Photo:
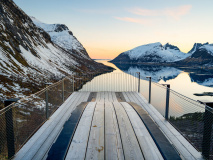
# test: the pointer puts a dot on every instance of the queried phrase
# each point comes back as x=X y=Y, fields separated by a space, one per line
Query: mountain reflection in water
x=156 y=72
x=166 y=73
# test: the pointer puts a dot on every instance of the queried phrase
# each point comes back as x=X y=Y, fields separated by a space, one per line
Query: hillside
x=29 y=55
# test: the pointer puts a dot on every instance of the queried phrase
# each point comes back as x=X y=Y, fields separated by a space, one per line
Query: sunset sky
x=107 y=28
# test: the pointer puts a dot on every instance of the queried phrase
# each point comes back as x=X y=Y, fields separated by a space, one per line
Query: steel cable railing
x=191 y=118
x=21 y=119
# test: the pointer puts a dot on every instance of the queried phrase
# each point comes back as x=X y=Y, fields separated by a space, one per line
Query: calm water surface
x=182 y=80
x=185 y=81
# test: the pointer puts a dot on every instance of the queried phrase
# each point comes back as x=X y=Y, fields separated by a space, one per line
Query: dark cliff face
x=171 y=47
x=195 y=47
x=17 y=28
x=200 y=57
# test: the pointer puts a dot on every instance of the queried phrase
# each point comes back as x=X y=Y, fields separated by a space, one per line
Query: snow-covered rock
x=154 y=52
x=62 y=36
x=195 y=47
x=202 y=54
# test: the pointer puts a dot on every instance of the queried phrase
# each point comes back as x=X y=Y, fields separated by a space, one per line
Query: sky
x=108 y=28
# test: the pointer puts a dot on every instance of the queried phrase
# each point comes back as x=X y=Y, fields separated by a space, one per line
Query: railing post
x=207 y=130
x=73 y=84
x=9 y=128
x=63 y=90
x=139 y=77
x=150 y=82
x=167 y=101
x=46 y=99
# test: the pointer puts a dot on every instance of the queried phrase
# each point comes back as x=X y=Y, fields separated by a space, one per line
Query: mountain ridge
x=169 y=54
x=153 y=52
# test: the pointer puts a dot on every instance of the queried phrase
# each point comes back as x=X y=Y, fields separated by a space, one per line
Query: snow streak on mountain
x=62 y=36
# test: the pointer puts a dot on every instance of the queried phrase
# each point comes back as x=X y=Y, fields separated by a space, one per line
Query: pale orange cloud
x=135 y=20
x=175 y=12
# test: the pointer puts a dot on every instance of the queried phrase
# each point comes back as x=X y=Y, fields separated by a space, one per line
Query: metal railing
x=193 y=119
x=20 y=119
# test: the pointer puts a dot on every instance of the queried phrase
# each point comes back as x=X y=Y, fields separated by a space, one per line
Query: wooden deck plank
x=114 y=97
x=39 y=137
x=43 y=150
x=106 y=96
x=60 y=147
x=98 y=97
x=131 y=147
x=113 y=146
x=126 y=96
x=92 y=97
x=102 y=99
x=120 y=97
x=181 y=144
x=146 y=142
x=77 y=149
x=95 y=149
x=165 y=147
x=110 y=97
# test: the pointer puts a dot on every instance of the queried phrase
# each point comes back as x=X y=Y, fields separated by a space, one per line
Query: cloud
x=175 y=12
x=135 y=20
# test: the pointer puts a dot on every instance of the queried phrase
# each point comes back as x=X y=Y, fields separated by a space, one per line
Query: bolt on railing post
x=167 y=101
x=139 y=77
x=9 y=128
x=207 y=129
x=63 y=90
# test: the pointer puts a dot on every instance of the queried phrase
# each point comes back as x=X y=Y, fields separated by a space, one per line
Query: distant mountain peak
x=196 y=46
x=153 y=52
x=170 y=46
x=63 y=37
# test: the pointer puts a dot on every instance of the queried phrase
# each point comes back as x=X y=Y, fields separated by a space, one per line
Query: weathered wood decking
x=109 y=126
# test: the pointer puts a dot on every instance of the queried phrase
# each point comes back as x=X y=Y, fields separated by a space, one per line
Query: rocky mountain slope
x=29 y=55
x=154 y=52
x=202 y=54
x=63 y=37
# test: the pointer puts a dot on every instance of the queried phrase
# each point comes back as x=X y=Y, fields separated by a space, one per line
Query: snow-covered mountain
x=29 y=55
x=195 y=47
x=202 y=54
x=62 y=36
x=154 y=52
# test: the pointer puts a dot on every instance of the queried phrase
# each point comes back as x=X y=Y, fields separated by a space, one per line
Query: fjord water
x=185 y=81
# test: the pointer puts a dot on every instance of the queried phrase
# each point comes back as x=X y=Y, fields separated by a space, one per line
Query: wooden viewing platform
x=107 y=125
